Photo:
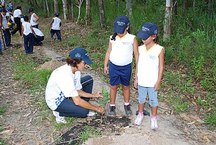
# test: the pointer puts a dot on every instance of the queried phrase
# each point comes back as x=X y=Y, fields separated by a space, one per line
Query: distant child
x=28 y=34
x=118 y=62
x=149 y=71
x=39 y=36
x=5 y=28
x=17 y=16
x=34 y=18
x=56 y=27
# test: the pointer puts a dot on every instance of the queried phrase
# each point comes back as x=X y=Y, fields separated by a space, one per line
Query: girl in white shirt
x=149 y=71
x=34 y=18
x=56 y=27
x=118 y=62
x=28 y=35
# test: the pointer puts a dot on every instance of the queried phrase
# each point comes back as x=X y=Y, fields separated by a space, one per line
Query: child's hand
x=135 y=83
x=106 y=70
x=157 y=86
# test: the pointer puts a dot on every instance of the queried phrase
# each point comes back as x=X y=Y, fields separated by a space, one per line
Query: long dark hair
x=115 y=34
x=73 y=62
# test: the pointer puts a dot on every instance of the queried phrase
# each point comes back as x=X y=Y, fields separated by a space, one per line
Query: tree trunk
x=101 y=13
x=129 y=8
x=65 y=11
x=185 y=6
x=47 y=8
x=79 y=7
x=72 y=10
x=88 y=12
x=56 y=8
x=167 y=20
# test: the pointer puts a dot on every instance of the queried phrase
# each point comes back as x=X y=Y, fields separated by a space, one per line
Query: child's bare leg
x=141 y=108
x=154 y=111
x=113 y=92
x=126 y=93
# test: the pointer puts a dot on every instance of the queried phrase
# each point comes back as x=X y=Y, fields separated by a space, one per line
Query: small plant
x=2 y=110
x=105 y=99
x=179 y=104
x=88 y=132
x=211 y=118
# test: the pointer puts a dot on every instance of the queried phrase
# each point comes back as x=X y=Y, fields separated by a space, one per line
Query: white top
x=62 y=84
x=4 y=22
x=33 y=20
x=122 y=50
x=38 y=32
x=148 y=65
x=17 y=13
x=27 y=28
x=56 y=23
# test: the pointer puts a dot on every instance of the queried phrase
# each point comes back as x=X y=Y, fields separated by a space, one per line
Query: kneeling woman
x=67 y=94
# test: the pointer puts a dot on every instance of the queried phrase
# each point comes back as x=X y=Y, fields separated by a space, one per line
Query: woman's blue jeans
x=69 y=109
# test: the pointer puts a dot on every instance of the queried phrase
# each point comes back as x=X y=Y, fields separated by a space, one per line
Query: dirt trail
x=24 y=125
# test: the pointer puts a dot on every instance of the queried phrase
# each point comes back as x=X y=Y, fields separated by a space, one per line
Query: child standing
x=55 y=27
x=34 y=18
x=149 y=71
x=28 y=34
x=118 y=62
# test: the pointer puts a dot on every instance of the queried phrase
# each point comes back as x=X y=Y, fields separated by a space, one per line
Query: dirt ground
x=23 y=124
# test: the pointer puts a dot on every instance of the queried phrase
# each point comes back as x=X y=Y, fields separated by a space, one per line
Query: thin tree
x=72 y=10
x=167 y=20
x=129 y=8
x=56 y=8
x=47 y=8
x=101 y=13
x=79 y=5
x=65 y=10
x=88 y=12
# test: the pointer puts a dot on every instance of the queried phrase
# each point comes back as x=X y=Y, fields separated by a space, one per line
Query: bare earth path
x=23 y=124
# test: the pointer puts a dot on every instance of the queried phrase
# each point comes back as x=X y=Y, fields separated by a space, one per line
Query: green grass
x=88 y=132
x=2 y=110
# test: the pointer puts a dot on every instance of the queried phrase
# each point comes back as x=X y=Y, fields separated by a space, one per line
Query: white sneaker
x=139 y=119
x=91 y=113
x=154 y=125
x=59 y=119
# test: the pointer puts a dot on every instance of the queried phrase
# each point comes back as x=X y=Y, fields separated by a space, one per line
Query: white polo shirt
x=17 y=13
x=27 y=28
x=122 y=50
x=38 y=32
x=148 y=65
x=33 y=20
x=56 y=23
x=62 y=84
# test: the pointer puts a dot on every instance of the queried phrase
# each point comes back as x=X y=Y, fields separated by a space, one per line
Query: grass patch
x=88 y=132
x=2 y=110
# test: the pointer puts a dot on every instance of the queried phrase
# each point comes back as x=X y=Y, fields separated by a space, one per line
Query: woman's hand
x=98 y=95
x=100 y=109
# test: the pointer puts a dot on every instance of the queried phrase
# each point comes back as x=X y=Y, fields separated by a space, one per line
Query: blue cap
x=148 y=29
x=80 y=53
x=120 y=24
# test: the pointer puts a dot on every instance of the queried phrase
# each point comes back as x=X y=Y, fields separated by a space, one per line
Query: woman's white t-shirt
x=148 y=65
x=62 y=84
x=122 y=50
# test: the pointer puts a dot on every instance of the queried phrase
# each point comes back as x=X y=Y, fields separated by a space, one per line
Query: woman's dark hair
x=30 y=10
x=156 y=40
x=73 y=62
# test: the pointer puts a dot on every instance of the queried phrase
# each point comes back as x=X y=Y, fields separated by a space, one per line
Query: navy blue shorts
x=120 y=74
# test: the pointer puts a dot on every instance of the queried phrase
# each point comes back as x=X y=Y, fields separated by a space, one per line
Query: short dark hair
x=73 y=62
x=25 y=18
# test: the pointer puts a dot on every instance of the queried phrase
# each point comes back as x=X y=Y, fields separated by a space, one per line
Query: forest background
x=186 y=30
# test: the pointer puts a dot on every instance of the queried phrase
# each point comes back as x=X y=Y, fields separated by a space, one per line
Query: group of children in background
x=149 y=59
x=28 y=28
